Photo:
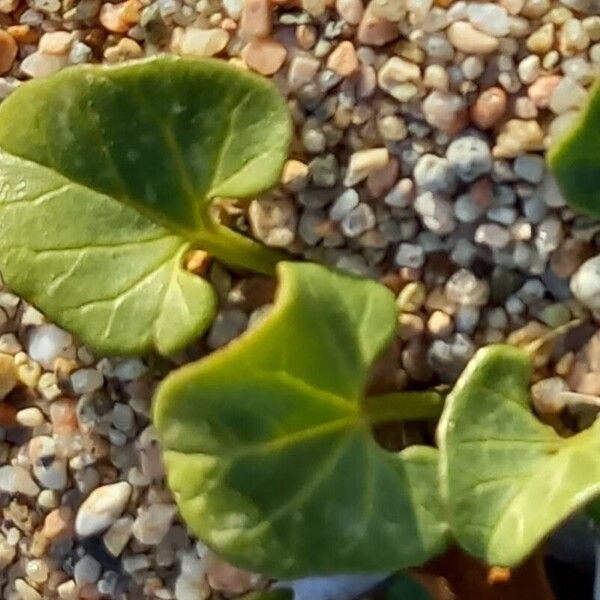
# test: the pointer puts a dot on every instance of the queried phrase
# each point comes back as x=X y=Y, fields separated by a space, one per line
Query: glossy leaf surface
x=106 y=179
x=575 y=158
x=507 y=478
x=270 y=453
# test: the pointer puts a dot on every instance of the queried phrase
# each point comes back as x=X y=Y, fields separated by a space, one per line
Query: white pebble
x=363 y=163
x=46 y=343
x=410 y=255
x=435 y=211
x=102 y=508
x=489 y=18
x=85 y=381
x=470 y=156
x=30 y=417
x=17 y=480
x=492 y=235
x=153 y=522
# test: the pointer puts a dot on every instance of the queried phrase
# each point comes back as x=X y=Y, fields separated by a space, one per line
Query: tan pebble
x=569 y=256
x=228 y=24
x=573 y=38
x=23 y=34
x=350 y=10
x=228 y=579
x=589 y=384
x=592 y=27
x=63 y=416
x=198 y=262
x=381 y=180
x=364 y=162
x=7 y=6
x=390 y=10
x=119 y=18
x=57 y=43
x=398 y=77
x=295 y=175
x=541 y=90
x=489 y=107
x=513 y=7
x=125 y=49
x=8 y=375
x=367 y=81
x=518 y=136
x=8 y=51
x=446 y=111
x=302 y=70
x=265 y=56
x=203 y=42
x=315 y=8
x=58 y=523
x=306 y=36
x=541 y=40
x=439 y=324
x=375 y=31
x=410 y=326
x=343 y=59
x=464 y=37
x=256 y=19
x=30 y=417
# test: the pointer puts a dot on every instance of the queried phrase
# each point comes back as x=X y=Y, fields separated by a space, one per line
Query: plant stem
x=237 y=250
x=403 y=406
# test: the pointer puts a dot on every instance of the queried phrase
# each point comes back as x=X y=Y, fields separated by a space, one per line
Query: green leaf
x=405 y=587
x=270 y=453
x=107 y=175
x=575 y=158
x=509 y=480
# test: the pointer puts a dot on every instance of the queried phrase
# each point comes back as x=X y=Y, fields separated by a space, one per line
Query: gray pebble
x=470 y=156
x=434 y=174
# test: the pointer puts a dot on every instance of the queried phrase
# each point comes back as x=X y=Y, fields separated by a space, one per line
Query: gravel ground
x=418 y=160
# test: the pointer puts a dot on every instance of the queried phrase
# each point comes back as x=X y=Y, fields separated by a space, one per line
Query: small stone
x=585 y=283
x=567 y=95
x=398 y=78
x=350 y=10
x=364 y=162
x=381 y=180
x=8 y=6
x=58 y=523
x=445 y=111
x=227 y=579
x=125 y=49
x=48 y=342
x=541 y=90
x=118 y=535
x=302 y=70
x=63 y=416
x=8 y=375
x=466 y=289
x=228 y=325
x=401 y=195
x=203 y=42
x=295 y=175
x=343 y=60
x=48 y=469
x=573 y=38
x=68 y=590
x=265 y=56
x=17 y=480
x=25 y=591
x=39 y=64
x=436 y=212
x=273 y=221
x=87 y=570
x=8 y=51
x=85 y=381
x=344 y=203
x=518 y=136
x=470 y=157
x=358 y=220
x=489 y=18
x=256 y=19
x=434 y=174
x=123 y=417
x=375 y=31
x=529 y=167
x=541 y=40
x=120 y=17
x=546 y=395
x=102 y=508
x=569 y=256
x=153 y=522
x=30 y=417
x=466 y=38
x=57 y=43
x=410 y=255
x=492 y=235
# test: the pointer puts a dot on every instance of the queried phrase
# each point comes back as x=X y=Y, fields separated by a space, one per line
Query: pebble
x=434 y=174
x=567 y=95
x=119 y=17
x=8 y=375
x=529 y=167
x=398 y=78
x=541 y=90
x=58 y=523
x=8 y=51
x=344 y=204
x=256 y=19
x=343 y=60
x=118 y=535
x=302 y=70
x=364 y=162
x=401 y=195
x=350 y=10
x=49 y=470
x=436 y=212
x=25 y=591
x=470 y=157
x=541 y=40
x=410 y=255
x=585 y=283
x=30 y=417
x=464 y=288
x=227 y=326
x=85 y=381
x=48 y=342
x=446 y=111
x=87 y=570
x=295 y=175
x=265 y=56
x=466 y=38
x=360 y=219
x=57 y=42
x=492 y=235
x=102 y=508
x=153 y=522
x=15 y=479
x=546 y=395
x=489 y=18
x=518 y=136
x=375 y=31
x=203 y=42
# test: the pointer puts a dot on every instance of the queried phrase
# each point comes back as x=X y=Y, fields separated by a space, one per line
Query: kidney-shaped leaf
x=575 y=158
x=106 y=179
x=508 y=479
x=270 y=456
